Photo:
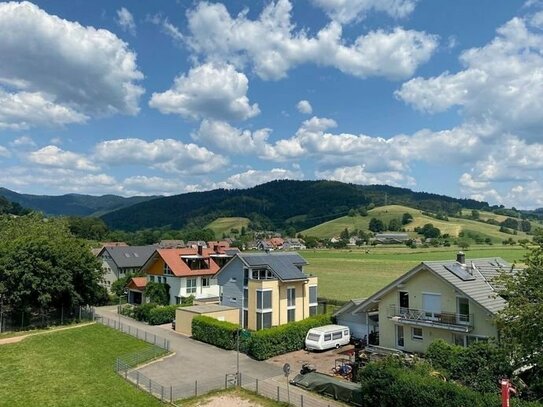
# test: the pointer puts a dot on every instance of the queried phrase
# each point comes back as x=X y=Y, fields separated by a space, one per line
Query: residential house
x=391 y=238
x=335 y=239
x=293 y=244
x=136 y=290
x=276 y=243
x=353 y=241
x=197 y=243
x=187 y=271
x=451 y=300
x=118 y=261
x=218 y=245
x=97 y=251
x=171 y=244
x=271 y=288
x=263 y=245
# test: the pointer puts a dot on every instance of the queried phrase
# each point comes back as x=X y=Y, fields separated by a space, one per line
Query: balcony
x=442 y=320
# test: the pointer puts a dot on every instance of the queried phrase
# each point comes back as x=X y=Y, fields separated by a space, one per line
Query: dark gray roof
x=130 y=256
x=282 y=264
x=478 y=283
x=392 y=236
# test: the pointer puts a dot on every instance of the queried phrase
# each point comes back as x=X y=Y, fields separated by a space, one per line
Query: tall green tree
x=521 y=321
x=42 y=265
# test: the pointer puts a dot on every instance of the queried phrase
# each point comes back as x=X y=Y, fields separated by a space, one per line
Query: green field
x=69 y=368
x=347 y=274
x=385 y=213
x=223 y=225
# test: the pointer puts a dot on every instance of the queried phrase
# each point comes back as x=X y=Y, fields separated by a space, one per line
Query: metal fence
x=134 y=331
x=41 y=318
x=265 y=387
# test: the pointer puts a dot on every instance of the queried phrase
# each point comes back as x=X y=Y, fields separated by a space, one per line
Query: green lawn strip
x=235 y=392
x=358 y=273
x=69 y=368
x=13 y=334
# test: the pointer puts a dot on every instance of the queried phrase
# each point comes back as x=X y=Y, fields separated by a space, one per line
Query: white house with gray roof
x=271 y=288
x=119 y=261
x=451 y=300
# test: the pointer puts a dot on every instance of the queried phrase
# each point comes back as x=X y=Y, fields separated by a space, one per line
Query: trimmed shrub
x=284 y=338
x=219 y=333
x=142 y=312
x=162 y=314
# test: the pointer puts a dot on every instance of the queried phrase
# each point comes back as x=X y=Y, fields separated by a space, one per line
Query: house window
x=245 y=319
x=470 y=339
x=431 y=304
x=233 y=299
x=167 y=270
x=313 y=300
x=245 y=277
x=291 y=297
x=205 y=281
x=264 y=309
x=177 y=300
x=191 y=285
x=245 y=298
x=462 y=307
x=459 y=340
x=399 y=336
x=417 y=333
x=291 y=315
x=152 y=278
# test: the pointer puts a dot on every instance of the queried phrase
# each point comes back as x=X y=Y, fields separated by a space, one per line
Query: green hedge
x=267 y=343
x=260 y=345
x=162 y=314
x=219 y=333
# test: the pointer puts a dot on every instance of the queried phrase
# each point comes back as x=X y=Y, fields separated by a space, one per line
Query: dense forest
x=277 y=205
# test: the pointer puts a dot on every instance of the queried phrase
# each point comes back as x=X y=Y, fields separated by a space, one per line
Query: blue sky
x=166 y=97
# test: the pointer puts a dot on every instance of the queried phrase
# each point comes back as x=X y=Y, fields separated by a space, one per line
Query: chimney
x=200 y=250
x=216 y=248
x=461 y=258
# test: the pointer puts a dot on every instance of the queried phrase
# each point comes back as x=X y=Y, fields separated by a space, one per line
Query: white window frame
x=459 y=320
x=206 y=282
x=192 y=288
x=416 y=337
x=263 y=311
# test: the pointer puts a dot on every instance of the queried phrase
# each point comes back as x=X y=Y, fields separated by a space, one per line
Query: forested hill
x=12 y=208
x=276 y=205
x=72 y=204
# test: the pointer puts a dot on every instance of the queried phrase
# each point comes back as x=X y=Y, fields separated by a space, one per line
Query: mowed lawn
x=69 y=368
x=358 y=273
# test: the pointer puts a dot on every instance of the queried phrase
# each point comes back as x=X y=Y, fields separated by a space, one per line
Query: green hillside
x=385 y=213
x=224 y=225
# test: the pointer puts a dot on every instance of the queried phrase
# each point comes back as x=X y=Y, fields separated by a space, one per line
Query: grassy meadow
x=73 y=367
x=224 y=225
x=358 y=273
x=386 y=213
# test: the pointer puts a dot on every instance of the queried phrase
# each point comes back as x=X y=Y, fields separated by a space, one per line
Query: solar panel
x=460 y=272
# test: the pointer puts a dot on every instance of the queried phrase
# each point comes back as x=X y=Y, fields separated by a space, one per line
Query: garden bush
x=162 y=314
x=218 y=333
x=274 y=341
x=142 y=312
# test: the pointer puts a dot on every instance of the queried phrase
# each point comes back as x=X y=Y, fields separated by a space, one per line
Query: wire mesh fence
x=28 y=319
x=134 y=331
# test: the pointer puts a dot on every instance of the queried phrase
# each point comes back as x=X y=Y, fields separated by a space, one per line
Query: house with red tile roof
x=187 y=272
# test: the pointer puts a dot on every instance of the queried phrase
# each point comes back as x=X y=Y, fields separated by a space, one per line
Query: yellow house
x=451 y=300
x=270 y=288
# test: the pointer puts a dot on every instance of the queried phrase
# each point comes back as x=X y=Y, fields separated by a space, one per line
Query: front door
x=399 y=336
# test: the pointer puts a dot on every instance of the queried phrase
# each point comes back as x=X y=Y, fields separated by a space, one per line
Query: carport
x=184 y=315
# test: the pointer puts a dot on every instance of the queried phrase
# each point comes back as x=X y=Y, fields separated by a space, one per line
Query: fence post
x=277 y=393
x=225 y=381
x=137 y=378
x=239 y=384
x=150 y=391
x=145 y=336
x=171 y=394
x=137 y=333
x=154 y=341
x=256 y=386
x=162 y=393
x=301 y=400
x=195 y=388
x=128 y=329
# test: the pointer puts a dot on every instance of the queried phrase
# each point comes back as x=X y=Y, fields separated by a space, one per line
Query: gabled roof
x=179 y=268
x=283 y=265
x=477 y=282
x=348 y=306
x=137 y=283
x=129 y=256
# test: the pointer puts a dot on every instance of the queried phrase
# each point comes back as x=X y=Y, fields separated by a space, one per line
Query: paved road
x=193 y=360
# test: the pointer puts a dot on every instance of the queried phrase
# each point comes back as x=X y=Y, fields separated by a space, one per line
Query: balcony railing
x=443 y=319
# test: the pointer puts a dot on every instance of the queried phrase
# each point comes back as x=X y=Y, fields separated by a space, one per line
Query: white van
x=327 y=337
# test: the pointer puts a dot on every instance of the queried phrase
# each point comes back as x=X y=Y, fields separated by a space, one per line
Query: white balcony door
x=431 y=304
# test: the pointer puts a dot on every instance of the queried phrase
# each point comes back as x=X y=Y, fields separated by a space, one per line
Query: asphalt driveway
x=193 y=360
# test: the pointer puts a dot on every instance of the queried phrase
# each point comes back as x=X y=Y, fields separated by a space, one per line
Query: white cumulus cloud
x=272 y=46
x=304 y=107
x=208 y=91
x=345 y=11
x=53 y=156
x=57 y=71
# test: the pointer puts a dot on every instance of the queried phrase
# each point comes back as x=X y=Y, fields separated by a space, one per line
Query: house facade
x=455 y=301
x=270 y=288
x=118 y=261
x=187 y=271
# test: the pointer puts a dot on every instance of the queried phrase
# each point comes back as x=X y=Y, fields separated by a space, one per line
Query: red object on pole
x=507 y=389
